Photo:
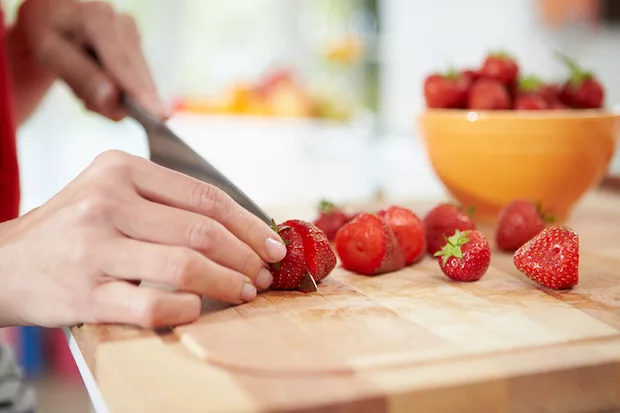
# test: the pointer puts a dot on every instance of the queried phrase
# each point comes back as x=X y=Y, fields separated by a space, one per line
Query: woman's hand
x=57 y=33
x=79 y=257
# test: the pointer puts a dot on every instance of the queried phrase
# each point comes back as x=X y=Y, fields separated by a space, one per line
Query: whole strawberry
x=409 y=232
x=366 y=245
x=330 y=219
x=518 y=222
x=501 y=66
x=488 y=94
x=471 y=75
x=530 y=94
x=465 y=256
x=551 y=258
x=583 y=90
x=446 y=91
x=318 y=253
x=442 y=221
x=288 y=273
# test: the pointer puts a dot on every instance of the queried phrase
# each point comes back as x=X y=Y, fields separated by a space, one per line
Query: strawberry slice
x=409 y=232
x=366 y=245
x=551 y=258
x=320 y=258
x=288 y=273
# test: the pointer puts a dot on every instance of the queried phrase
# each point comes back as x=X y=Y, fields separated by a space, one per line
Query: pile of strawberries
x=395 y=237
x=499 y=85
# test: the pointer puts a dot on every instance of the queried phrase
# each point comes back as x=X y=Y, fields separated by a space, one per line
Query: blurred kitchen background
x=296 y=100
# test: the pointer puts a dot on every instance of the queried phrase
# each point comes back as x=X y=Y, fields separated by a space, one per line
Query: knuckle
x=129 y=24
x=203 y=236
x=100 y=10
x=93 y=206
x=180 y=267
x=209 y=200
x=113 y=161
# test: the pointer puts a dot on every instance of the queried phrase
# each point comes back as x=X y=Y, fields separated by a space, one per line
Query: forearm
x=30 y=81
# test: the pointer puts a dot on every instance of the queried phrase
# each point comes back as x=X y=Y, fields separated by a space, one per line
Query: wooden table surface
x=406 y=341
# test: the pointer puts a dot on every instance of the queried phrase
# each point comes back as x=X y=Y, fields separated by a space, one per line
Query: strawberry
x=465 y=256
x=583 y=90
x=529 y=94
x=442 y=221
x=320 y=258
x=366 y=245
x=330 y=219
x=550 y=92
x=471 y=75
x=488 y=94
x=551 y=258
x=447 y=91
x=502 y=67
x=288 y=273
x=409 y=232
x=518 y=222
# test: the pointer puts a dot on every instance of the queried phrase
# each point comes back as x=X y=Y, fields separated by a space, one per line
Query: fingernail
x=275 y=249
x=248 y=292
x=264 y=279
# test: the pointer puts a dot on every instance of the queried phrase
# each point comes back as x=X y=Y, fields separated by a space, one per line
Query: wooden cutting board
x=400 y=342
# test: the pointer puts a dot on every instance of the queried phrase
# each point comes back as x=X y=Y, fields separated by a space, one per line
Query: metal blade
x=169 y=151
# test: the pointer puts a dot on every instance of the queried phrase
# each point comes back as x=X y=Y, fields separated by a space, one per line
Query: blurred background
x=296 y=100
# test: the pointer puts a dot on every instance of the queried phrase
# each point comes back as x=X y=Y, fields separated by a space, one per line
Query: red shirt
x=9 y=171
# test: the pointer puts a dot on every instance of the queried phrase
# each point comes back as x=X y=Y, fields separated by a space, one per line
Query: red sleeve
x=9 y=171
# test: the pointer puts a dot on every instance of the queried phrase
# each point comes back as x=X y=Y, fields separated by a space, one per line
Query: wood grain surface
x=407 y=341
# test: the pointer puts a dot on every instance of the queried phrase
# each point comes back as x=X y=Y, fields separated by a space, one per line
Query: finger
x=82 y=75
x=148 y=221
x=176 y=267
x=171 y=188
x=120 y=302
x=116 y=39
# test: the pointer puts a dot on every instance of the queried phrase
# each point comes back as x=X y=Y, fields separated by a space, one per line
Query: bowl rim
x=473 y=115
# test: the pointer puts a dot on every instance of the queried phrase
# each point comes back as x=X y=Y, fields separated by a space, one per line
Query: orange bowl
x=486 y=159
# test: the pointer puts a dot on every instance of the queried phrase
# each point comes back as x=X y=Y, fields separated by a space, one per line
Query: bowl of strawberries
x=494 y=135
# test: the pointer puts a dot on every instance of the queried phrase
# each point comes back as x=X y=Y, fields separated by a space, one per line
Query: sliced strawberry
x=288 y=273
x=551 y=258
x=409 y=232
x=366 y=245
x=320 y=258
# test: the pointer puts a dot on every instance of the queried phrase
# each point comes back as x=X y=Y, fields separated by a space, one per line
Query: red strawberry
x=501 y=66
x=320 y=258
x=551 y=258
x=366 y=245
x=465 y=256
x=409 y=232
x=288 y=273
x=447 y=91
x=550 y=92
x=442 y=221
x=471 y=75
x=582 y=90
x=488 y=94
x=330 y=219
x=518 y=222
x=529 y=94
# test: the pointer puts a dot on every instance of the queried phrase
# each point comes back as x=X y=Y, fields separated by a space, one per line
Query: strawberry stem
x=326 y=206
x=577 y=74
x=529 y=83
x=453 y=245
x=543 y=215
